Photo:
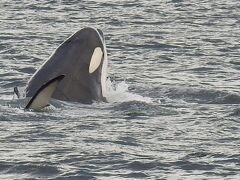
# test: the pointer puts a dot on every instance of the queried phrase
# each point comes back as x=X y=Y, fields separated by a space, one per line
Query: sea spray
x=118 y=92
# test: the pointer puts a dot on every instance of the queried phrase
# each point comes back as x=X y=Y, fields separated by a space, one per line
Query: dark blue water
x=173 y=92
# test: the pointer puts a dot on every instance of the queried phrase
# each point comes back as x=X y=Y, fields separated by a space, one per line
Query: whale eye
x=95 y=59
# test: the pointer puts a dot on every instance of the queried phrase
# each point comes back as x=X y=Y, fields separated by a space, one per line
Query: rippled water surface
x=173 y=91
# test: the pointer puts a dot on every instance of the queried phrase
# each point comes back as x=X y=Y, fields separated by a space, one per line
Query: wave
x=202 y=95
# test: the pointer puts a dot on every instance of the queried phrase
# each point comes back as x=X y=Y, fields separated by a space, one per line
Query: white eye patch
x=95 y=59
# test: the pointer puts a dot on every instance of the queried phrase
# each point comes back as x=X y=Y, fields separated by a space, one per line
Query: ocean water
x=173 y=91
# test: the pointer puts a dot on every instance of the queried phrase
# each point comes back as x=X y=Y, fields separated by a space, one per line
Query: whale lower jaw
x=42 y=97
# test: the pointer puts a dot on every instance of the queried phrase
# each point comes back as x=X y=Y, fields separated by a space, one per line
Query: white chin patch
x=95 y=60
x=104 y=72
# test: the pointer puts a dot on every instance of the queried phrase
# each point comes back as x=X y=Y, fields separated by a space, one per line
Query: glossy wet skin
x=72 y=58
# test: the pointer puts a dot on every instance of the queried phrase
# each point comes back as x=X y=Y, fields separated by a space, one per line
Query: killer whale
x=82 y=59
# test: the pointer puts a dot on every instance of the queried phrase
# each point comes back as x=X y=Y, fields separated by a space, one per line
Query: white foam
x=118 y=92
x=6 y=97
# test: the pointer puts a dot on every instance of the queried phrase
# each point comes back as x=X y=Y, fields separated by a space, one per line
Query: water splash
x=118 y=92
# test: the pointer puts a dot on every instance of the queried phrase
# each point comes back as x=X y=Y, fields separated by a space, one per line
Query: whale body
x=81 y=62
